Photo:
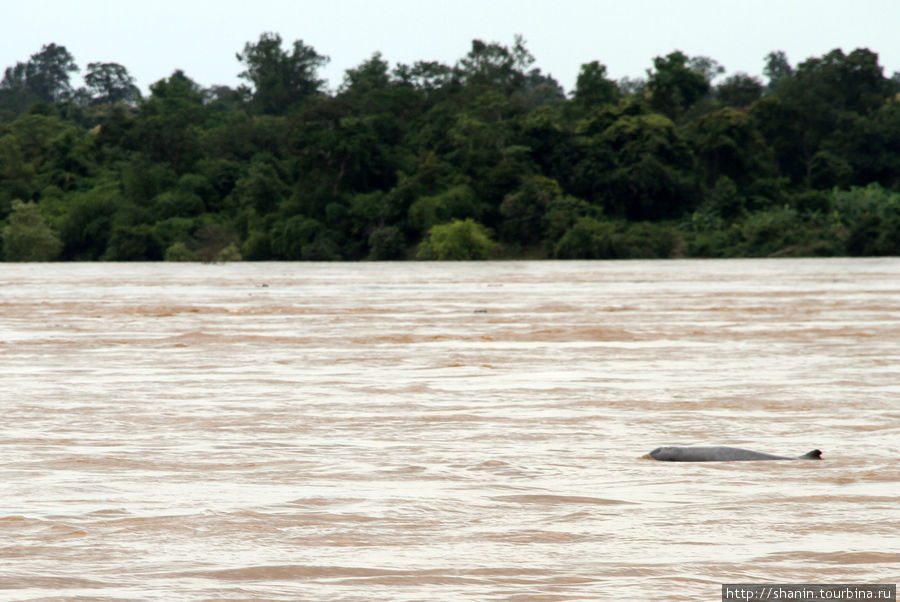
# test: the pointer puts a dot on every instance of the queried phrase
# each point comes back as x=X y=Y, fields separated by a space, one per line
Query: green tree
x=456 y=202
x=426 y=76
x=523 y=210
x=215 y=242
x=280 y=79
x=590 y=238
x=777 y=67
x=549 y=135
x=541 y=90
x=495 y=66
x=304 y=239
x=387 y=243
x=676 y=84
x=133 y=243
x=176 y=203
x=870 y=146
x=488 y=146
x=561 y=214
x=459 y=240
x=727 y=142
x=817 y=102
x=48 y=73
x=724 y=200
x=869 y=217
x=27 y=237
x=261 y=188
x=88 y=223
x=652 y=176
x=371 y=75
x=109 y=83
x=168 y=124
x=17 y=173
x=593 y=88
x=179 y=251
x=708 y=67
x=739 y=90
x=45 y=75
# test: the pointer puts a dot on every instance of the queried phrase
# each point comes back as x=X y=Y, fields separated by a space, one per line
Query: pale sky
x=201 y=37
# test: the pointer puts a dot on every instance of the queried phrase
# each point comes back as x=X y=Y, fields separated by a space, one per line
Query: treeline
x=486 y=158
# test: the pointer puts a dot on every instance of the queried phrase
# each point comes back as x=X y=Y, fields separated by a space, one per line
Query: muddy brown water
x=452 y=431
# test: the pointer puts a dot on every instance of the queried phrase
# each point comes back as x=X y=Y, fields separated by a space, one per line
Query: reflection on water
x=445 y=431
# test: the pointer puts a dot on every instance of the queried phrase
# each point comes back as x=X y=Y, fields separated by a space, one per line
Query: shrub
x=133 y=243
x=27 y=237
x=453 y=203
x=387 y=243
x=179 y=252
x=870 y=217
x=459 y=240
x=591 y=238
x=229 y=253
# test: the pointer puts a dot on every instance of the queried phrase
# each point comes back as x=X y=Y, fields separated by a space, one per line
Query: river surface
x=445 y=431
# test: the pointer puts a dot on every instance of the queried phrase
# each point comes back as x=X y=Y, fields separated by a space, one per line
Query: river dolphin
x=720 y=453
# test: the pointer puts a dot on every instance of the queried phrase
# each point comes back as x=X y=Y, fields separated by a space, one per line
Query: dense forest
x=486 y=158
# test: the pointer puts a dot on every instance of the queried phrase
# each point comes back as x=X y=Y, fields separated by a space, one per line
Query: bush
x=27 y=237
x=257 y=246
x=724 y=200
x=179 y=252
x=133 y=243
x=229 y=253
x=561 y=214
x=460 y=240
x=455 y=202
x=212 y=240
x=387 y=243
x=591 y=238
x=176 y=204
x=647 y=240
x=88 y=224
x=870 y=218
x=524 y=209
x=174 y=229
x=302 y=238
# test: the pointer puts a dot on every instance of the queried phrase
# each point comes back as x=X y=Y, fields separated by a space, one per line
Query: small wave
x=30 y=582
x=382 y=576
x=838 y=558
x=558 y=499
x=537 y=536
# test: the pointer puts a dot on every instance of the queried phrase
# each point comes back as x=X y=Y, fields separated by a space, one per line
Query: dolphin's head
x=664 y=453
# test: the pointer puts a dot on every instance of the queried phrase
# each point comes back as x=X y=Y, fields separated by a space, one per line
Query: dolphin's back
x=720 y=453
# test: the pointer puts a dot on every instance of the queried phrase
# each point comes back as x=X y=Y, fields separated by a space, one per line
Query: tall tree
x=739 y=90
x=777 y=67
x=44 y=77
x=280 y=79
x=47 y=73
x=370 y=75
x=815 y=102
x=428 y=76
x=496 y=66
x=593 y=87
x=652 y=175
x=27 y=237
x=109 y=83
x=727 y=143
x=167 y=125
x=541 y=90
x=676 y=84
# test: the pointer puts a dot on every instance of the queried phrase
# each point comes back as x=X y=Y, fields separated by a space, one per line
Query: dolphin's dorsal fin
x=815 y=454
